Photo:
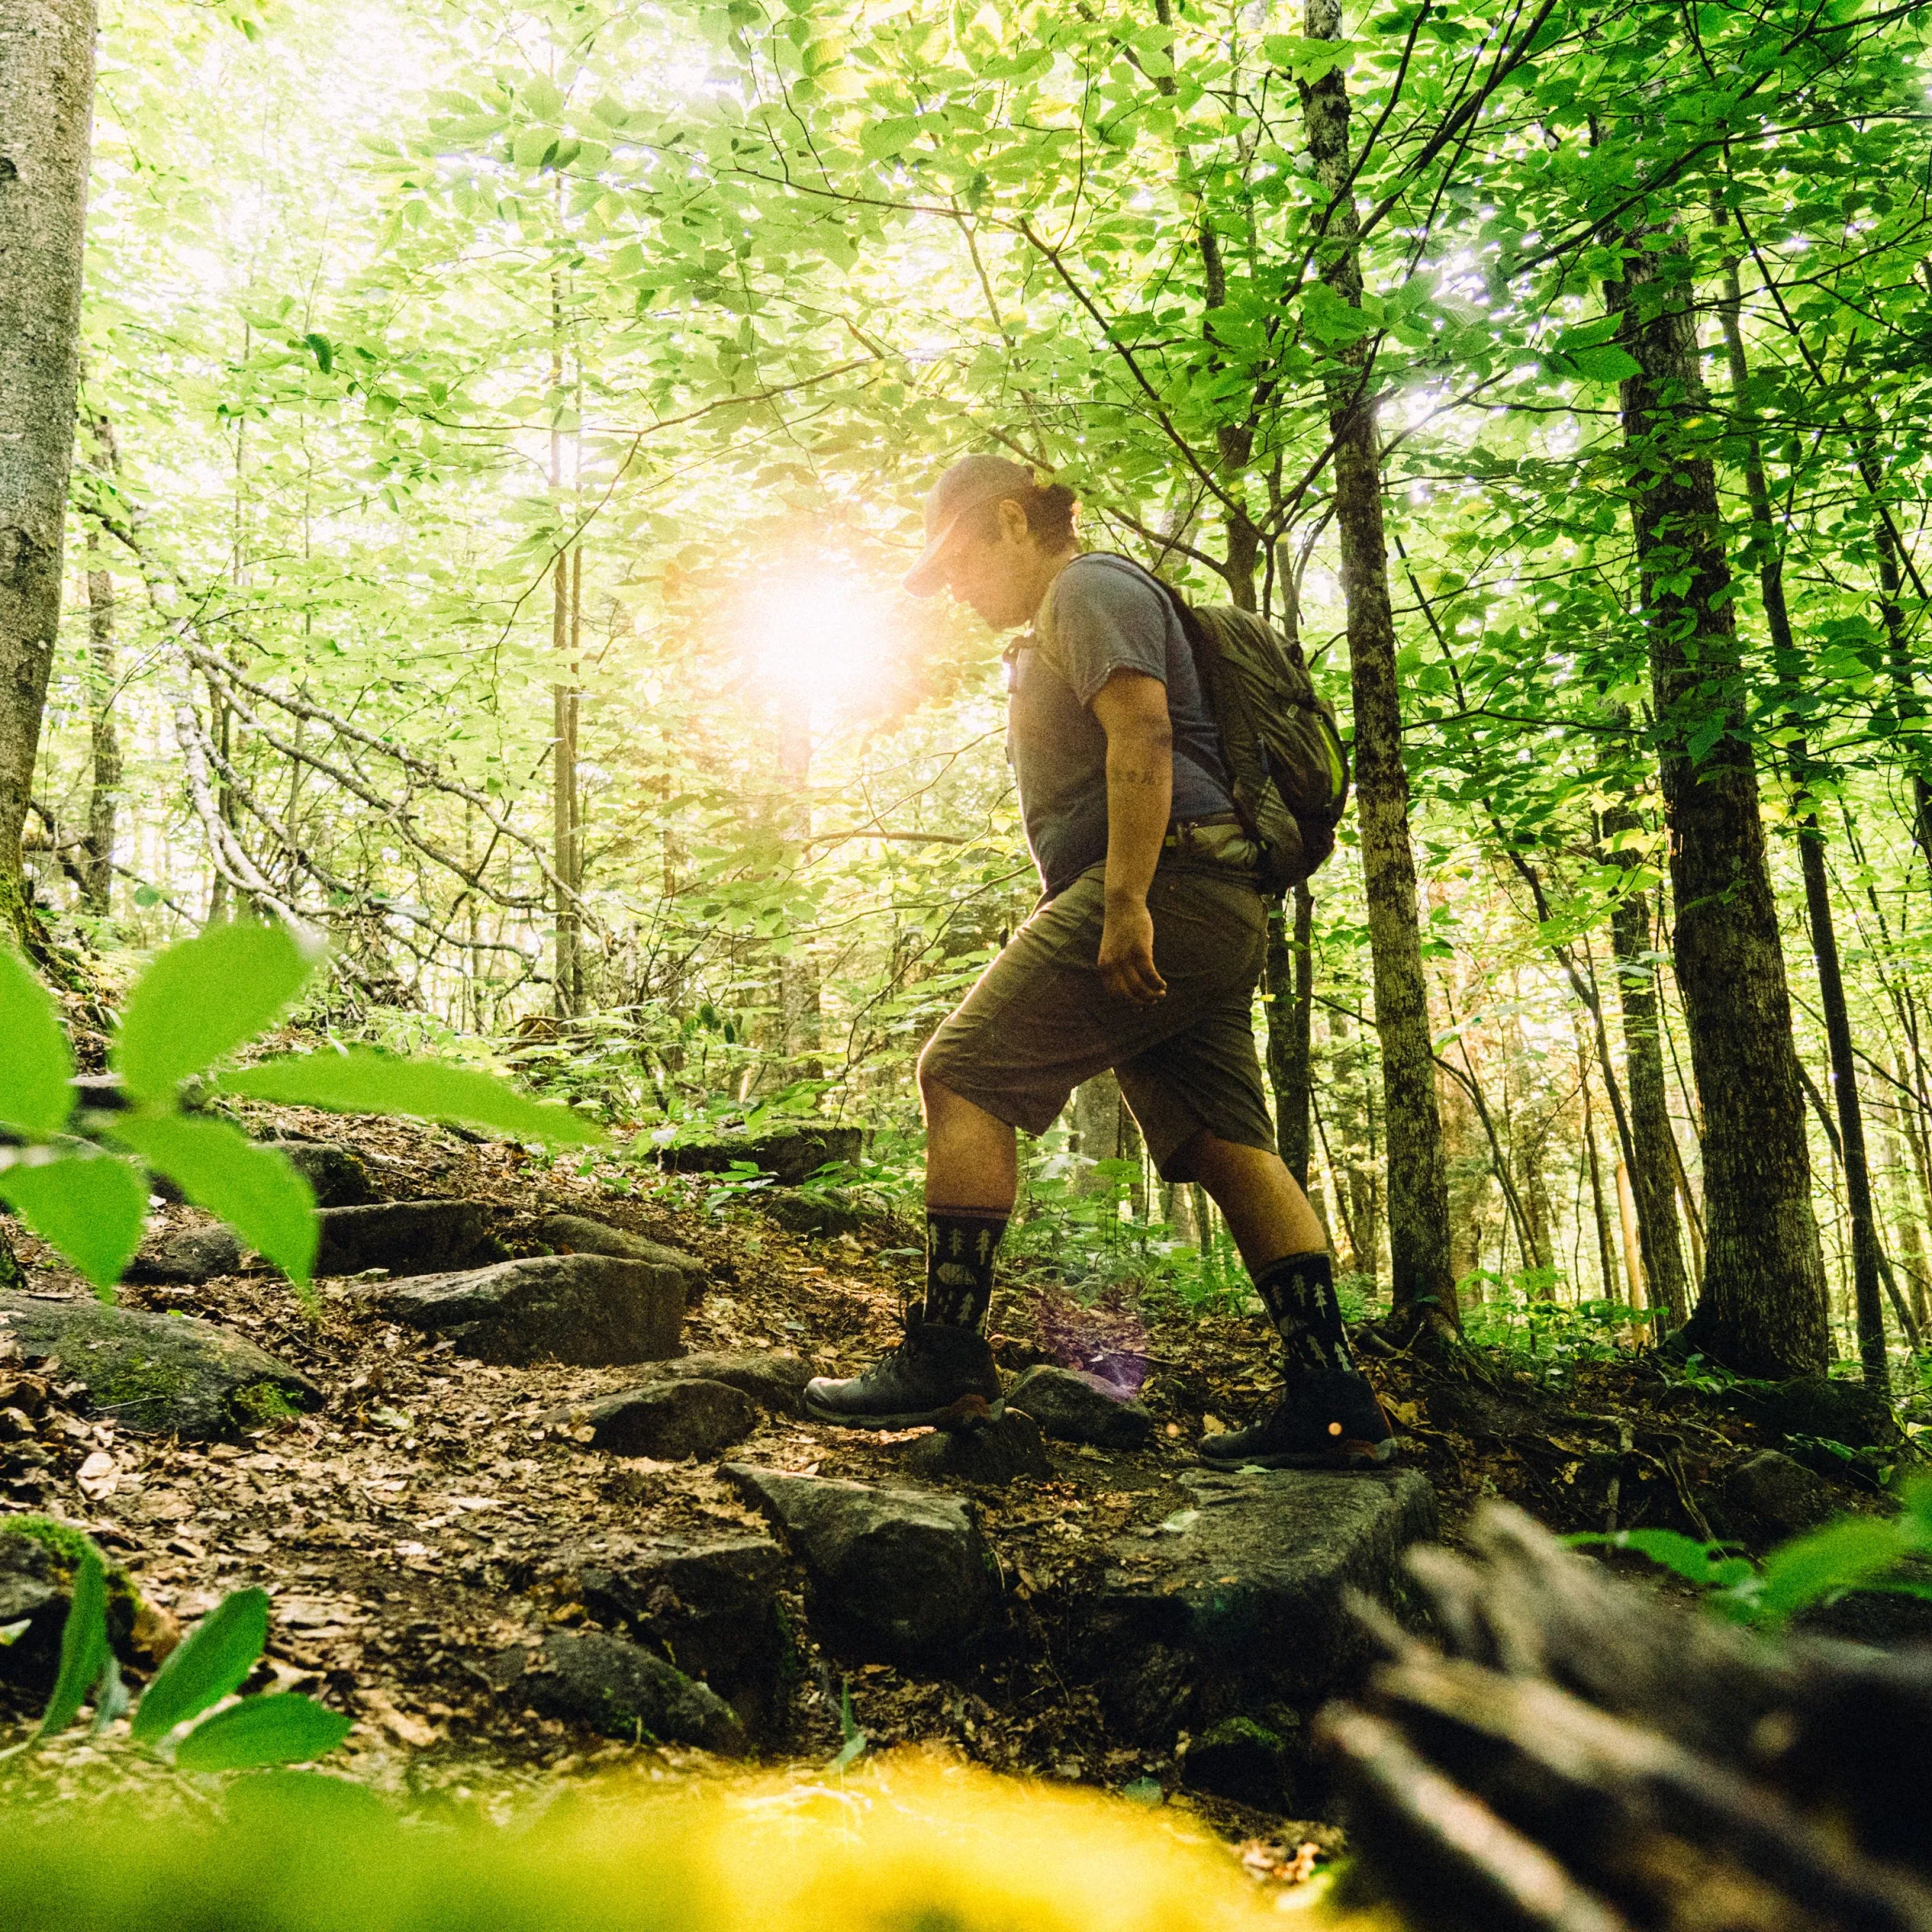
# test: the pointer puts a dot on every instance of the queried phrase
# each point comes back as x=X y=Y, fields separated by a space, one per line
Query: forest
x=457 y=465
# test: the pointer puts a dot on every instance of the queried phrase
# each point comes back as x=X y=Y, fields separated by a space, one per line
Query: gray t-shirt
x=1102 y=615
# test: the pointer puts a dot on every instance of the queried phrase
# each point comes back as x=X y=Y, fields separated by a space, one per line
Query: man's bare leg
x=1268 y=1214
x=972 y=1160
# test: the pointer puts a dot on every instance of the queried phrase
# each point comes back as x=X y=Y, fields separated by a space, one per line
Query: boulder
x=777 y=1381
x=591 y=1310
x=38 y=1559
x=622 y=1690
x=999 y=1454
x=669 y=1419
x=830 y=1211
x=902 y=1573
x=792 y=1154
x=406 y=1237
x=710 y=1604
x=1239 y=1600
x=1078 y=1407
x=187 y=1257
x=578 y=1234
x=1771 y=1497
x=171 y=1373
x=337 y=1175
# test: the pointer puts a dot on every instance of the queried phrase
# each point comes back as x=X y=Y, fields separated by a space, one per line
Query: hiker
x=1142 y=956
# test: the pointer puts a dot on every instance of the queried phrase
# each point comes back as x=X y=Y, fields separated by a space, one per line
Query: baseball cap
x=965 y=485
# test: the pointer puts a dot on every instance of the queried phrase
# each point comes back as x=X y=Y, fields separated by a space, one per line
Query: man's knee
x=934 y=1092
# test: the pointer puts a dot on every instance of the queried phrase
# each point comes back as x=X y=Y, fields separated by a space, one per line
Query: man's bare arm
x=1133 y=711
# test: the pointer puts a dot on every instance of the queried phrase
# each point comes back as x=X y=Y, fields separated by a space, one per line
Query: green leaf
x=91 y=1207
x=365 y=1082
x=253 y=1189
x=204 y=998
x=325 y=360
x=83 y=1646
x=35 y=1064
x=209 y=1662
x=1840 y=1556
x=283 y=1728
x=532 y=145
x=1608 y=364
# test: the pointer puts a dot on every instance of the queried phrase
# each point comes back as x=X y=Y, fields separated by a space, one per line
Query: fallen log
x=1572 y=1753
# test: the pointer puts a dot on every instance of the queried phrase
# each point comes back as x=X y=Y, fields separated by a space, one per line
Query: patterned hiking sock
x=960 y=1243
x=1299 y=1293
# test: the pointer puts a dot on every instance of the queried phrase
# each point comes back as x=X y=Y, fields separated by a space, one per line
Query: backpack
x=1279 y=741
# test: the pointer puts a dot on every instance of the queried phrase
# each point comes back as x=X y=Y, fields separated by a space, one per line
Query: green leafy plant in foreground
x=1853 y=1552
x=175 y=1719
x=86 y=1191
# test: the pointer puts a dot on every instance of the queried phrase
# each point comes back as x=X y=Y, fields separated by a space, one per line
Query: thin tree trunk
x=1633 y=1260
x=47 y=93
x=1762 y=1310
x=97 y=865
x=1420 y=1271
x=1291 y=997
x=1596 y=1200
x=1653 y=1165
x=1865 y=1285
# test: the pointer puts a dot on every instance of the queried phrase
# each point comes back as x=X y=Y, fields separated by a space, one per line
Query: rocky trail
x=529 y=1490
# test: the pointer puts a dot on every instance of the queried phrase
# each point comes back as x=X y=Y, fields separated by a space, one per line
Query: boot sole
x=965 y=1416
x=1343 y=1457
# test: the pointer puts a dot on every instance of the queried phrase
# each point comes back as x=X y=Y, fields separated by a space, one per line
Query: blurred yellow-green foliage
x=904 y=1847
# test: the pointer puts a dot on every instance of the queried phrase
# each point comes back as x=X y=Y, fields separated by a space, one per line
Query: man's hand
x=1127 y=968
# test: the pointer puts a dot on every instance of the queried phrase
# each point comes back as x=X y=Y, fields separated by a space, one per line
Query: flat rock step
x=165 y=1373
x=406 y=1237
x=776 y=1381
x=593 y=1310
x=621 y=1689
x=578 y=1234
x=1234 y=1612
x=668 y=1420
x=792 y=1154
x=1078 y=1407
x=186 y=1257
x=900 y=1574
x=337 y=1175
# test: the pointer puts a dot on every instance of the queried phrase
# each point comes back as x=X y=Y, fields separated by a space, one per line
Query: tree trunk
x=47 y=92
x=1653 y=1168
x=1762 y=1311
x=1812 y=859
x=97 y=864
x=1420 y=1271
x=1291 y=997
x=1096 y=1128
x=1605 y=1265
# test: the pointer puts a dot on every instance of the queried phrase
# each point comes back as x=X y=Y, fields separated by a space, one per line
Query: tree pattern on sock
x=960 y=1245
x=1298 y=1291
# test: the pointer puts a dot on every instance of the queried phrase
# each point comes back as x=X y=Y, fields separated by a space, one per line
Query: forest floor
x=426 y=1518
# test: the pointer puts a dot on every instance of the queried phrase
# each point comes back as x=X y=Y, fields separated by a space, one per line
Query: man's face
x=996 y=575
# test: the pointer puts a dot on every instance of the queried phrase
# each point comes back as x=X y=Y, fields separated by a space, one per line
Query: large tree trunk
x=47 y=93
x=1418 y=1185
x=1762 y=1311
x=1653 y=1165
x=1290 y=992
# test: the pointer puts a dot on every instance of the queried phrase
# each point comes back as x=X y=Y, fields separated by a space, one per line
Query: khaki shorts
x=1038 y=1022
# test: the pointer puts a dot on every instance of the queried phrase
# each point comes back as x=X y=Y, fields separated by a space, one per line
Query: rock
x=1815 y=1405
x=711 y=1606
x=621 y=1690
x=669 y=1419
x=1081 y=1407
x=1240 y=1600
x=830 y=1211
x=777 y=1381
x=792 y=1153
x=337 y=1175
x=38 y=1558
x=1003 y=1451
x=406 y=1237
x=188 y=1257
x=1771 y=1497
x=591 y=1309
x=578 y=1234
x=1250 y=1761
x=904 y=1574
x=99 y=1092
x=168 y=1372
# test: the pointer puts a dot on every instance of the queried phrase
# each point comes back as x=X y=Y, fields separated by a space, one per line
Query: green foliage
x=208 y=1666
x=1853 y=1552
x=197 y=1002
x=1522 y=1318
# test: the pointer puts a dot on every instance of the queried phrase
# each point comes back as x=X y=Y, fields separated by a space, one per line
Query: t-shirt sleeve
x=1106 y=620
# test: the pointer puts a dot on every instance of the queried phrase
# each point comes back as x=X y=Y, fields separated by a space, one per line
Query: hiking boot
x=1321 y=1421
x=938 y=1377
